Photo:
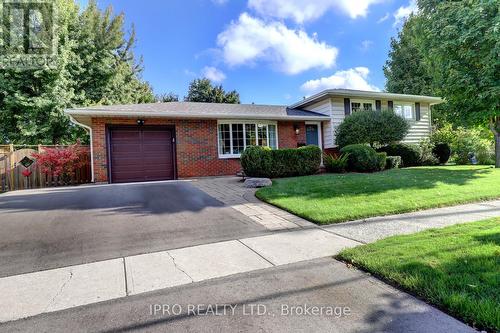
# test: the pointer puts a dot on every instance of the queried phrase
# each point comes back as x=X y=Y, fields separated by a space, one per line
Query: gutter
x=152 y=114
x=89 y=130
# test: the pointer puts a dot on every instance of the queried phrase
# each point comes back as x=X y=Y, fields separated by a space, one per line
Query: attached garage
x=141 y=153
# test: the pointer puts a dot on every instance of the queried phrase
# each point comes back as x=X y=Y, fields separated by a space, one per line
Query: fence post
x=12 y=165
x=39 y=170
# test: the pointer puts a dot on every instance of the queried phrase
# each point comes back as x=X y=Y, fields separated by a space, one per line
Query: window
x=360 y=105
x=404 y=110
x=234 y=137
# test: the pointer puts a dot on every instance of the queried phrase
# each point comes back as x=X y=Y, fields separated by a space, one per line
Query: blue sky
x=270 y=51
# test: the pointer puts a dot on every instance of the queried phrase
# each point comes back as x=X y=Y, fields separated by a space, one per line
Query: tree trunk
x=497 y=150
x=495 y=128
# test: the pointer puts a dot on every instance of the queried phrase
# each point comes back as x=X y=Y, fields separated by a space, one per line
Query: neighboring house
x=182 y=139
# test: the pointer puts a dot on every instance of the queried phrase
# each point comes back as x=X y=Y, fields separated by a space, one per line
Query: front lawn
x=455 y=268
x=331 y=198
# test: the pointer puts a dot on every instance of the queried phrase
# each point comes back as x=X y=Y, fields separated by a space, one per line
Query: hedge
x=264 y=162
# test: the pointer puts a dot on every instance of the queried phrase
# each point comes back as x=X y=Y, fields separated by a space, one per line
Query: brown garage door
x=141 y=154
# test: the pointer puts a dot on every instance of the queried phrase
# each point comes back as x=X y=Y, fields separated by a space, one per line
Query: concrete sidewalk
x=372 y=229
x=372 y=305
x=52 y=290
x=30 y=294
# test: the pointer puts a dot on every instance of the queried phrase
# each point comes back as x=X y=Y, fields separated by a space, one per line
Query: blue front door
x=312 y=135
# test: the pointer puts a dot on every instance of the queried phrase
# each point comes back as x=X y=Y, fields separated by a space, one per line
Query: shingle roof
x=199 y=110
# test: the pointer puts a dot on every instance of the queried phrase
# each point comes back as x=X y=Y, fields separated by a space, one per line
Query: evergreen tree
x=202 y=90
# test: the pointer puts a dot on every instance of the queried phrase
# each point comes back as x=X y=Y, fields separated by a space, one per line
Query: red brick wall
x=196 y=145
x=286 y=134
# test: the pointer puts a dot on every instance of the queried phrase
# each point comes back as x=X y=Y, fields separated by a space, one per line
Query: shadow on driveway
x=68 y=226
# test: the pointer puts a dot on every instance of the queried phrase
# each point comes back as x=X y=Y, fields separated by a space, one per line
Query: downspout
x=89 y=130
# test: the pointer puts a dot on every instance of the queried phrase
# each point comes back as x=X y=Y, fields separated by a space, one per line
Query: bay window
x=404 y=110
x=235 y=136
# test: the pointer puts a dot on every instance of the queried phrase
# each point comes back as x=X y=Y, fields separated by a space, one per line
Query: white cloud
x=383 y=18
x=306 y=10
x=404 y=11
x=249 y=40
x=353 y=78
x=213 y=74
x=366 y=44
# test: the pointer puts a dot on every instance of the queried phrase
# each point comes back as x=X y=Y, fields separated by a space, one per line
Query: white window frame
x=243 y=122
x=403 y=104
x=361 y=101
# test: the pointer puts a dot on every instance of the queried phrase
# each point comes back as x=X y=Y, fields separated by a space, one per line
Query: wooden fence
x=19 y=169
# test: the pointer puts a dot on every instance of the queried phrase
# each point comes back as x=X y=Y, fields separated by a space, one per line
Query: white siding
x=338 y=115
x=420 y=129
x=334 y=107
x=324 y=107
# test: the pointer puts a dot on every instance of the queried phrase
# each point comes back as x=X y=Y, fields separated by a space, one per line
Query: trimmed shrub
x=362 y=158
x=336 y=163
x=410 y=154
x=442 y=151
x=371 y=127
x=264 y=162
x=382 y=160
x=393 y=162
x=256 y=161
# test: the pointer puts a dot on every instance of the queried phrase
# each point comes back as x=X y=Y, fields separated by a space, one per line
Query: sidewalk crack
x=59 y=292
x=178 y=268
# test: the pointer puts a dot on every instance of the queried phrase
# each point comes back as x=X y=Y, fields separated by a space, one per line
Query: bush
x=466 y=142
x=472 y=142
x=410 y=154
x=442 y=151
x=62 y=162
x=393 y=162
x=426 y=155
x=336 y=163
x=264 y=162
x=371 y=127
x=382 y=160
x=362 y=158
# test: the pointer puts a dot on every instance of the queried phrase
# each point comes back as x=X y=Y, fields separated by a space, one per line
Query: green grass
x=331 y=198
x=455 y=268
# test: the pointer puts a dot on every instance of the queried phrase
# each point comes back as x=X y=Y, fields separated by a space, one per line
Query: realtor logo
x=27 y=34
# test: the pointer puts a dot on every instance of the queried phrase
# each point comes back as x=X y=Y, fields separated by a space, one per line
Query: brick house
x=162 y=141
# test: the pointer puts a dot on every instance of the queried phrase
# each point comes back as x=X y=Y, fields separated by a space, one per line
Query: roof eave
x=102 y=113
x=354 y=93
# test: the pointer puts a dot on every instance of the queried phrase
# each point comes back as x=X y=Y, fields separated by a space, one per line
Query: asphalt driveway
x=45 y=229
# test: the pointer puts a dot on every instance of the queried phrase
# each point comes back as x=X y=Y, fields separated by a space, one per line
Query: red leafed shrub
x=62 y=162
x=26 y=173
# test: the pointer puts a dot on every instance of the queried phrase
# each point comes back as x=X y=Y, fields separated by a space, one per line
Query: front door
x=312 y=137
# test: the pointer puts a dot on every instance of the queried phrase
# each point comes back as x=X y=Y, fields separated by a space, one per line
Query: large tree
x=405 y=69
x=95 y=65
x=202 y=90
x=462 y=51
